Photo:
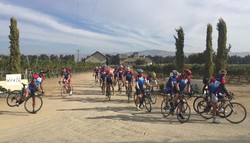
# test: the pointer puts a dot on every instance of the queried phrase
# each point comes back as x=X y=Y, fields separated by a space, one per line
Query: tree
x=222 y=51
x=140 y=62
x=179 y=43
x=15 y=55
x=208 y=54
x=196 y=58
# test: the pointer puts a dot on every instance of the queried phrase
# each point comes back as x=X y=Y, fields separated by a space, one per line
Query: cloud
x=108 y=25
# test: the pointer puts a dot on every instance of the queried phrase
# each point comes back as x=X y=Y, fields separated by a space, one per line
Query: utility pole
x=78 y=51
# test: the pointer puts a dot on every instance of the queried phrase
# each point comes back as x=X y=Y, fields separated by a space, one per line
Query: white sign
x=13 y=79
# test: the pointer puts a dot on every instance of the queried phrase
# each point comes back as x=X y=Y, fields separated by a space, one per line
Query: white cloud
x=110 y=25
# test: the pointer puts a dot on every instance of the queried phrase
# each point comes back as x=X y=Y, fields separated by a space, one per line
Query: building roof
x=96 y=57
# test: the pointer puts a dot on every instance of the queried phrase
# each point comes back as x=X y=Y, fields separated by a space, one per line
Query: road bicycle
x=181 y=107
x=103 y=86
x=32 y=104
x=120 y=86
x=143 y=100
x=129 y=91
x=65 y=89
x=108 y=91
x=233 y=112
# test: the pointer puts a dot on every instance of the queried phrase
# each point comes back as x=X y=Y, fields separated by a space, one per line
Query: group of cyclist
x=124 y=76
x=216 y=88
x=36 y=84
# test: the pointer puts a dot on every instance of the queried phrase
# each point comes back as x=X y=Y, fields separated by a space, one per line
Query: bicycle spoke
x=33 y=104
x=12 y=98
x=165 y=108
x=183 y=112
x=235 y=113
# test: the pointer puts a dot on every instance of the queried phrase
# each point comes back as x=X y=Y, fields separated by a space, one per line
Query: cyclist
x=102 y=76
x=152 y=79
x=121 y=73
x=170 y=84
x=115 y=72
x=217 y=87
x=183 y=81
x=96 y=73
x=109 y=79
x=129 y=76
x=32 y=88
x=140 y=82
x=67 y=78
x=41 y=75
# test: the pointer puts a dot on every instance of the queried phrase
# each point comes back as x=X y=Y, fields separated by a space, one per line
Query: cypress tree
x=15 y=55
x=208 y=54
x=222 y=51
x=179 y=55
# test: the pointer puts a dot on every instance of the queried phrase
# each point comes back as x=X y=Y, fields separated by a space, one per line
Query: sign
x=13 y=79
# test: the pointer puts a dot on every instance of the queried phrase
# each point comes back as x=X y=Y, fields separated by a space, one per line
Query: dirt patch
x=88 y=117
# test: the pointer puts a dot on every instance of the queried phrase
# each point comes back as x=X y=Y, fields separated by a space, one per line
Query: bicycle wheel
x=235 y=112
x=13 y=97
x=64 y=92
x=129 y=94
x=153 y=97
x=204 y=109
x=147 y=102
x=31 y=106
x=120 y=87
x=108 y=93
x=165 y=107
x=196 y=101
x=135 y=99
x=183 y=112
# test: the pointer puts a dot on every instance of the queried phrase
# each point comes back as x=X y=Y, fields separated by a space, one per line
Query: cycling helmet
x=35 y=76
x=153 y=74
x=140 y=71
x=188 y=71
x=223 y=72
x=42 y=71
x=128 y=68
x=121 y=66
x=175 y=72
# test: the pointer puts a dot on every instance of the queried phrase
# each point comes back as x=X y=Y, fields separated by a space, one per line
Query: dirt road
x=88 y=117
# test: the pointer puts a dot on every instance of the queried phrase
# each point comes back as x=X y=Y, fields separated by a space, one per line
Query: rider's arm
x=188 y=88
x=225 y=90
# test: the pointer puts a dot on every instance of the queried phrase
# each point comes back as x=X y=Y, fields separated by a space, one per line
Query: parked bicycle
x=233 y=112
x=65 y=89
x=32 y=103
x=181 y=108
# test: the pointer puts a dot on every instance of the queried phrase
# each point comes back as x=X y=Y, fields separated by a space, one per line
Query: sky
x=119 y=26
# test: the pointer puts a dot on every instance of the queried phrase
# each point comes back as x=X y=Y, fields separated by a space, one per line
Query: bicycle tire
x=204 y=110
x=153 y=97
x=120 y=87
x=135 y=99
x=129 y=94
x=108 y=93
x=196 y=101
x=232 y=112
x=28 y=104
x=148 y=105
x=64 y=92
x=186 y=112
x=13 y=97
x=165 y=111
